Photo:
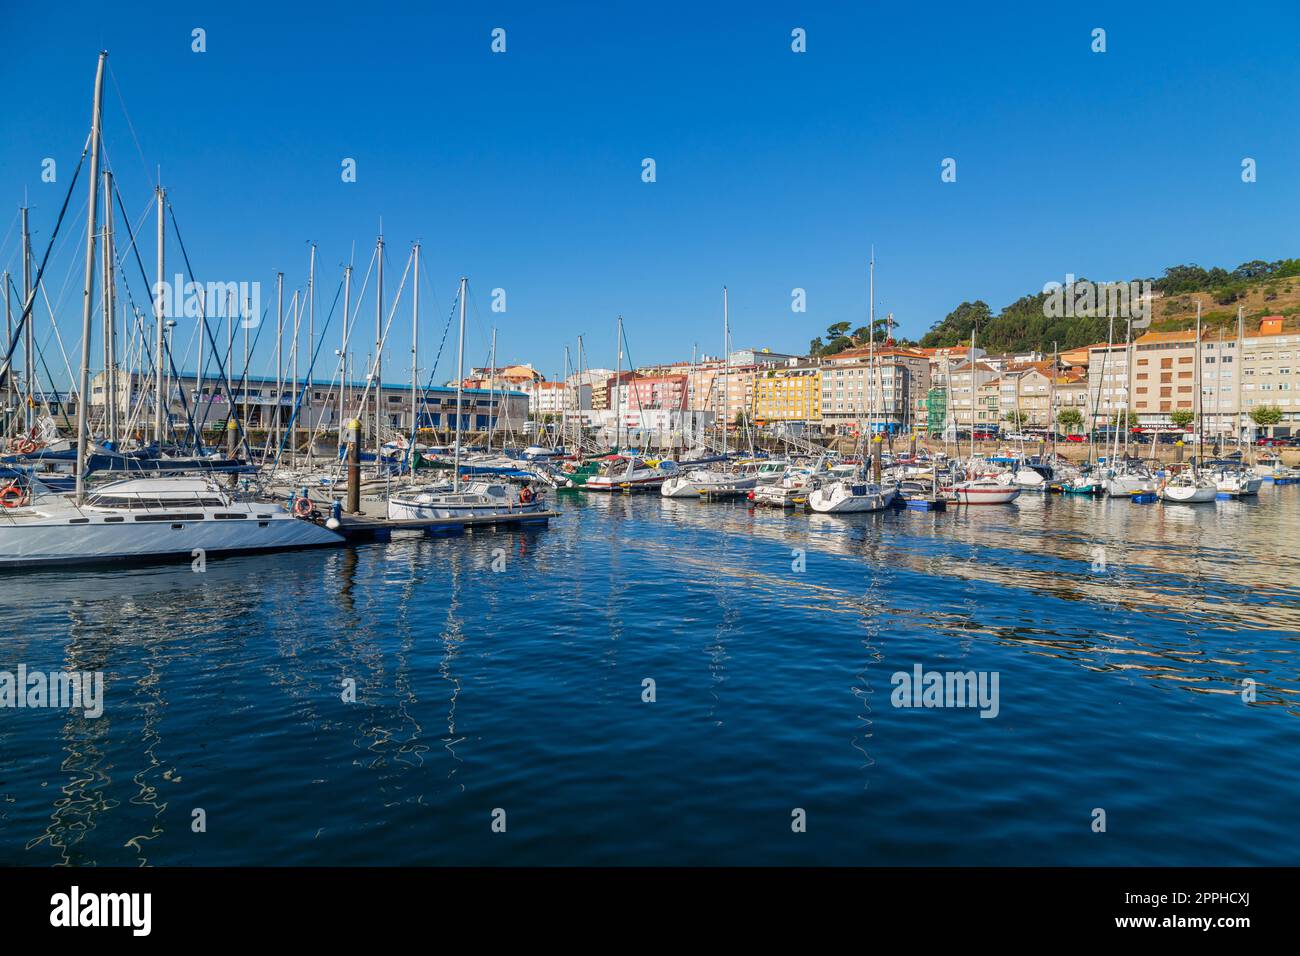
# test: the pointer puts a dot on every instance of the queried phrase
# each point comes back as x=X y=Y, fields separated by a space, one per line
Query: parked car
x=985 y=435
x=1076 y=438
x=1265 y=441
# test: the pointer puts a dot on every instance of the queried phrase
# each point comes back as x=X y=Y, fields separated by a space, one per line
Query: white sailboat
x=478 y=498
x=146 y=518
x=1188 y=488
x=140 y=518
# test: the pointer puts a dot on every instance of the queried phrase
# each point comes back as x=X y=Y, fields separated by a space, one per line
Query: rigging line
x=129 y=125
x=320 y=343
x=6 y=365
x=424 y=392
x=221 y=365
x=40 y=355
x=293 y=417
x=9 y=232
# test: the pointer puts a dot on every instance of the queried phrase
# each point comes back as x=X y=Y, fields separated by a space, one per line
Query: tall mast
x=83 y=397
x=618 y=391
x=279 y=358
x=460 y=382
x=9 y=373
x=293 y=374
x=971 y=363
x=564 y=401
x=379 y=338
x=871 y=344
x=159 y=311
x=1236 y=425
x=1196 y=378
x=311 y=348
x=415 y=345
x=343 y=351
x=110 y=308
x=494 y=420
x=726 y=369
x=29 y=363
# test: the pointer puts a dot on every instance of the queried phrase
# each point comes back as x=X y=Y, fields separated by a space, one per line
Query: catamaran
x=141 y=518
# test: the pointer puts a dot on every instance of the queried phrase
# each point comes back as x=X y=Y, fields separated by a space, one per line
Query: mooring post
x=354 y=467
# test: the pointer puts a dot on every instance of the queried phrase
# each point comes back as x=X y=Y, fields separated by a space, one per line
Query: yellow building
x=790 y=394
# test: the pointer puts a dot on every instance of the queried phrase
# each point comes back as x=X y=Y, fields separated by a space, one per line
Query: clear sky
x=775 y=170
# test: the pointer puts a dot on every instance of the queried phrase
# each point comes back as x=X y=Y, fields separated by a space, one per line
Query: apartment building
x=893 y=397
x=1270 y=374
x=789 y=394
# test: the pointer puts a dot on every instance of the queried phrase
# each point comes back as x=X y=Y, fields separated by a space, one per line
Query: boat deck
x=369 y=528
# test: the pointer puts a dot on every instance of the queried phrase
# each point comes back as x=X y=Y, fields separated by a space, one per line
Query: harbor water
x=653 y=681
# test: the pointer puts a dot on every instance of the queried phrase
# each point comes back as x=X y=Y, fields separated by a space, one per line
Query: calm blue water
x=1119 y=689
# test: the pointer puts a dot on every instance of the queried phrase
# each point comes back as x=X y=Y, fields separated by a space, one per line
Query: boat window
x=220 y=515
x=170 y=517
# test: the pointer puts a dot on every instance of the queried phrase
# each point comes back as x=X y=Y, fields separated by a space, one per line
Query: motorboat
x=850 y=495
x=474 y=499
x=619 y=472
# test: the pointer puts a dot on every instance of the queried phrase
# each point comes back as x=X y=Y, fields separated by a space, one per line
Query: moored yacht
x=146 y=518
x=471 y=500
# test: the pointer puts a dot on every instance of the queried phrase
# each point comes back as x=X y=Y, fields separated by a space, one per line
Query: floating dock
x=367 y=528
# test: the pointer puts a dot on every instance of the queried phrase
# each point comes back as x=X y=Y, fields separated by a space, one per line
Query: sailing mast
x=618 y=391
x=415 y=371
x=311 y=354
x=1200 y=404
x=110 y=308
x=29 y=363
x=279 y=359
x=159 y=308
x=83 y=398
x=726 y=368
x=379 y=339
x=460 y=381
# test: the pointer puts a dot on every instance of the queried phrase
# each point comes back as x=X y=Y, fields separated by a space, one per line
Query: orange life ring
x=526 y=496
x=27 y=446
x=13 y=497
x=302 y=507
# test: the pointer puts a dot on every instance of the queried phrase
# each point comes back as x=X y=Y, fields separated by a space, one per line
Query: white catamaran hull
x=51 y=540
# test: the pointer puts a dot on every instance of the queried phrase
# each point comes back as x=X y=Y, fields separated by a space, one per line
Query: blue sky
x=775 y=170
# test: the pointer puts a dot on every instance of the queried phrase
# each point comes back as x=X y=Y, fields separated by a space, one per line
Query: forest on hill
x=1023 y=326
x=1258 y=287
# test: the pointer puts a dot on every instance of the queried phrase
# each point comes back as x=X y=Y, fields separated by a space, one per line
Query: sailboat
x=478 y=498
x=854 y=493
x=1190 y=486
x=138 y=518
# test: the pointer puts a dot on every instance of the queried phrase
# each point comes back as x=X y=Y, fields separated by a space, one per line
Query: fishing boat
x=146 y=518
x=619 y=472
